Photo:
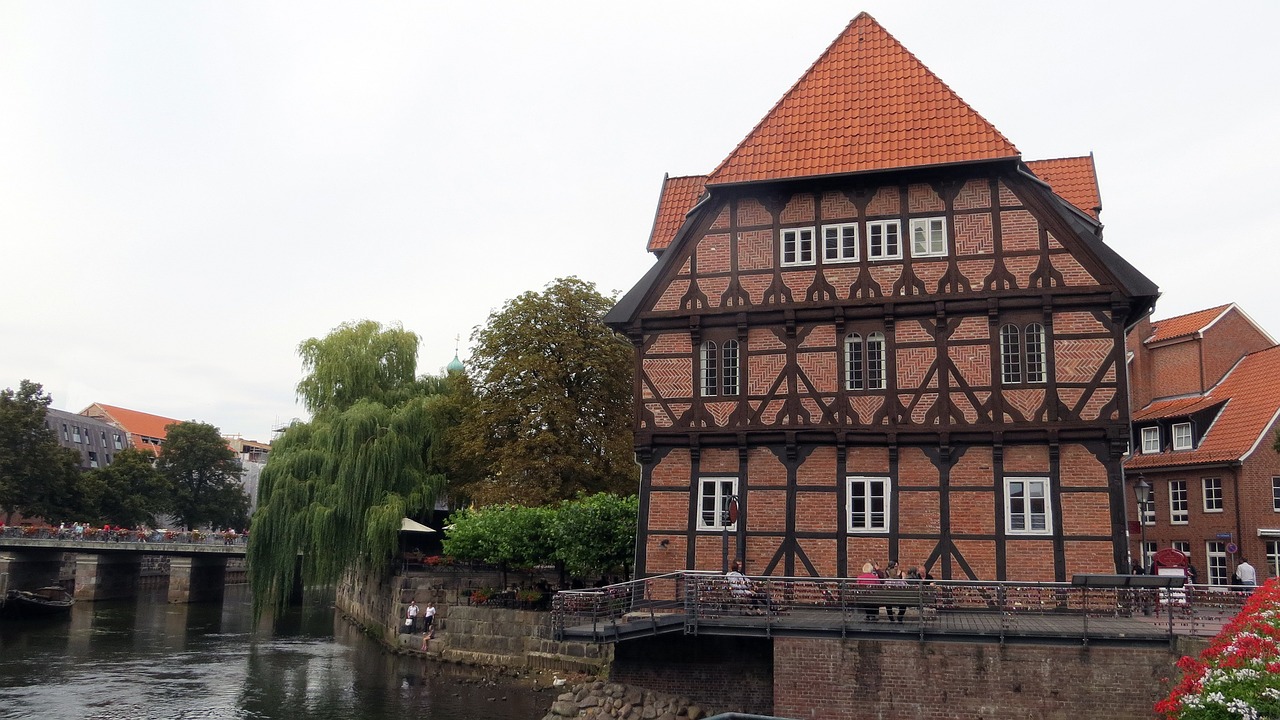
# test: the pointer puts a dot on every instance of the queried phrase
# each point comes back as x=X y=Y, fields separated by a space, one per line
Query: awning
x=407 y=525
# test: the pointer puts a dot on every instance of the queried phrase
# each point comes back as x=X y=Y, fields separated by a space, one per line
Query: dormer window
x=1150 y=440
x=1182 y=436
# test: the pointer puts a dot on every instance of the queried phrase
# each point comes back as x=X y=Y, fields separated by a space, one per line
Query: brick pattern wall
x=851 y=679
x=722 y=673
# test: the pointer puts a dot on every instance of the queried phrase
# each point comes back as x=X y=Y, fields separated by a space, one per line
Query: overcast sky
x=190 y=189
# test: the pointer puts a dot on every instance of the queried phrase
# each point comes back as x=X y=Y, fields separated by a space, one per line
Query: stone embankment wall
x=615 y=700
x=475 y=635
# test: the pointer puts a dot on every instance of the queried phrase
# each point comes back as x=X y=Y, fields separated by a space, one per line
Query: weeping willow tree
x=335 y=488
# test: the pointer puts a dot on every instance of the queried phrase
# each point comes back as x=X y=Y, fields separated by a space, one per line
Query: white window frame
x=708 y=369
x=798 y=242
x=840 y=243
x=1151 y=440
x=1182 y=546
x=1179 y=506
x=75 y=433
x=1215 y=554
x=1028 y=514
x=855 y=376
x=730 y=368
x=1010 y=354
x=869 y=497
x=931 y=235
x=119 y=443
x=1182 y=436
x=877 y=247
x=93 y=459
x=1216 y=484
x=1273 y=558
x=877 y=359
x=1275 y=494
x=1036 y=357
x=718 y=489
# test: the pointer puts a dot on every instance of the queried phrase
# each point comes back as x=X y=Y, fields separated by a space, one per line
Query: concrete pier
x=197 y=579
x=30 y=569
x=107 y=577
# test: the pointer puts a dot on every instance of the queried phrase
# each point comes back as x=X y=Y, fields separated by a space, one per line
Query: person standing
x=1248 y=576
x=411 y=616
x=429 y=620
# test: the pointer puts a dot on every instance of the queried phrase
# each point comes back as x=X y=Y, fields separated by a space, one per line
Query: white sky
x=189 y=189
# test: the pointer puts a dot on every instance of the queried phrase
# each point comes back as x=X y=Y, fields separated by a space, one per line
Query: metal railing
x=707 y=602
x=87 y=535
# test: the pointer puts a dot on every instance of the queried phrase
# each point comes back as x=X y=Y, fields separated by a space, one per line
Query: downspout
x=1238 y=470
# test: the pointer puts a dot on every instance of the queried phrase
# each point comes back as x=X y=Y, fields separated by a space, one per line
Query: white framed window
x=883 y=242
x=854 y=370
x=875 y=361
x=714 y=494
x=797 y=246
x=1215 y=553
x=1033 y=344
x=1212 y=494
x=840 y=243
x=707 y=356
x=1026 y=502
x=1150 y=548
x=1275 y=494
x=65 y=435
x=1182 y=546
x=1150 y=440
x=1182 y=436
x=1273 y=558
x=104 y=439
x=1010 y=355
x=118 y=442
x=868 y=504
x=1178 y=505
x=729 y=367
x=75 y=433
x=93 y=459
x=929 y=237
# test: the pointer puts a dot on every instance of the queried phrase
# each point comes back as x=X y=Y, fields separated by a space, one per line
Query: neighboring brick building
x=96 y=441
x=145 y=430
x=1203 y=438
x=885 y=336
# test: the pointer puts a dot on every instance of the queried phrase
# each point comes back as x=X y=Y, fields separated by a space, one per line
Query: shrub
x=1238 y=675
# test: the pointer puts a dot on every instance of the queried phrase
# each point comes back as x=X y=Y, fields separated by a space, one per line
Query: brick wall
x=723 y=673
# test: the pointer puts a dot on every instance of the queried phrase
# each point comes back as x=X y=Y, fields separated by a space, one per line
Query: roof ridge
x=938 y=127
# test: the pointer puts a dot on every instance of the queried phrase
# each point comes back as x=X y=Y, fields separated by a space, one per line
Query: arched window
x=710 y=379
x=1033 y=338
x=729 y=367
x=853 y=370
x=875 y=361
x=1010 y=355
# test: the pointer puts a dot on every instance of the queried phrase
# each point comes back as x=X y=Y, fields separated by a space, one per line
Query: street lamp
x=1142 y=493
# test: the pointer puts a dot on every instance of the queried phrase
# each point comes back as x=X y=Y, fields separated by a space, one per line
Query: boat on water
x=42 y=602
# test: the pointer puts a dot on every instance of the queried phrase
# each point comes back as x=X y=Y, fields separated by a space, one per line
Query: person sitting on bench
x=741 y=589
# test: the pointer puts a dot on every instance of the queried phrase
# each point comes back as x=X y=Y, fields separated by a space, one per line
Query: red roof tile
x=1185 y=325
x=1074 y=179
x=679 y=195
x=866 y=104
x=133 y=421
x=1252 y=404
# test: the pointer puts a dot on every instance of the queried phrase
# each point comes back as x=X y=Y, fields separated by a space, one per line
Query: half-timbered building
x=875 y=332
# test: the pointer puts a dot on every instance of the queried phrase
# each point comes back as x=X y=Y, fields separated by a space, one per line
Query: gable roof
x=1185 y=325
x=133 y=421
x=1074 y=179
x=1252 y=400
x=865 y=104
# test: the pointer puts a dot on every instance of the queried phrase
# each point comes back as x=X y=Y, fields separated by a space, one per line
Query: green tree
x=551 y=412
x=508 y=536
x=38 y=477
x=204 y=475
x=596 y=534
x=335 y=488
x=130 y=491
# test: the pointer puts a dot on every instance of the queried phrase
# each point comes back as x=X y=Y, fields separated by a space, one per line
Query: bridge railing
x=89 y=534
x=843 y=604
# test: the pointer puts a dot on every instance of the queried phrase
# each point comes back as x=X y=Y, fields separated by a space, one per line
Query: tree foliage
x=596 y=534
x=204 y=476
x=551 y=412
x=335 y=488
x=38 y=477
x=130 y=491
x=590 y=536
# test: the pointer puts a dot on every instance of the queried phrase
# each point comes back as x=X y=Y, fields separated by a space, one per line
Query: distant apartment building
x=253 y=457
x=94 y=440
x=145 y=430
x=1205 y=407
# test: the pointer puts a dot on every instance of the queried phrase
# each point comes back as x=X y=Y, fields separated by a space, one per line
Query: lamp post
x=1142 y=493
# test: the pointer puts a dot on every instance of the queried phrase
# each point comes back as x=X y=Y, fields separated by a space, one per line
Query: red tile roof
x=679 y=195
x=1074 y=179
x=1252 y=405
x=132 y=421
x=866 y=104
x=1185 y=325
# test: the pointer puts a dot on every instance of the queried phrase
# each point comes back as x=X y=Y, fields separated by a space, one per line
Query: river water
x=145 y=658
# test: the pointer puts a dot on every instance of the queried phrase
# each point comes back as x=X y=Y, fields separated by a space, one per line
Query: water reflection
x=150 y=659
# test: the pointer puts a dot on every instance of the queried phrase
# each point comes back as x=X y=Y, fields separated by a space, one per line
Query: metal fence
x=90 y=534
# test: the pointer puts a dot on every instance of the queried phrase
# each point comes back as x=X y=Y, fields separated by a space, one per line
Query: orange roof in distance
x=1185 y=325
x=133 y=422
x=679 y=195
x=1074 y=179
x=866 y=104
